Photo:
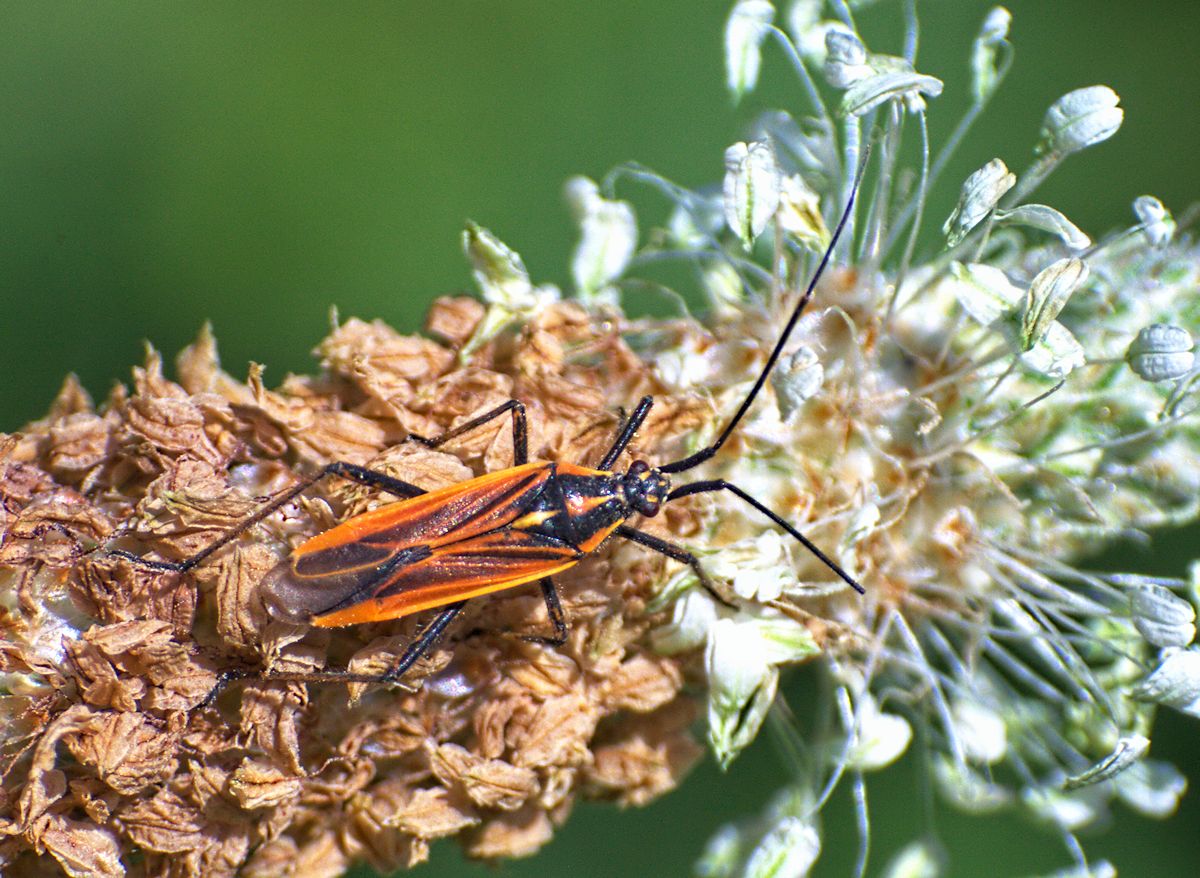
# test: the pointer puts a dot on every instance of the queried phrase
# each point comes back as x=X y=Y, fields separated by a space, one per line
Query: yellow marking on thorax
x=533 y=519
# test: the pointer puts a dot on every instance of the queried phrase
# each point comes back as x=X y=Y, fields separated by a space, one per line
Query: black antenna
x=699 y=457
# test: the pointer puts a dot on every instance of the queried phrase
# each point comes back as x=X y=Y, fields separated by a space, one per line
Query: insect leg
x=360 y=474
x=520 y=430
x=557 y=618
x=433 y=631
x=676 y=553
x=722 y=485
x=428 y=637
x=626 y=434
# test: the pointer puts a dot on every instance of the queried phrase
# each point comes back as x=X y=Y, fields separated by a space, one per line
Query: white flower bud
x=1047 y=296
x=497 y=269
x=789 y=848
x=1069 y=811
x=797 y=379
x=1152 y=787
x=1175 y=682
x=692 y=618
x=966 y=789
x=1161 y=352
x=845 y=59
x=1128 y=750
x=608 y=239
x=879 y=738
x=981 y=192
x=869 y=92
x=916 y=860
x=751 y=189
x=1080 y=119
x=800 y=213
x=1047 y=219
x=1162 y=617
x=741 y=662
x=504 y=284
x=1156 y=221
x=981 y=731
x=745 y=30
x=985 y=54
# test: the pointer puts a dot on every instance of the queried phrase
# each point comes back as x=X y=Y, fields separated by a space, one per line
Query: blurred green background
x=254 y=164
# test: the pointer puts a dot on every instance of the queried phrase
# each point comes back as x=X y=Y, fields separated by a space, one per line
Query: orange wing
x=448 y=514
x=426 y=551
x=455 y=572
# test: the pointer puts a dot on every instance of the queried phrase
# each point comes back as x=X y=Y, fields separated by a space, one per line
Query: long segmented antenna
x=699 y=457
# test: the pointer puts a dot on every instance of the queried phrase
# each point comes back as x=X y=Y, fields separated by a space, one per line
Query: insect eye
x=639 y=468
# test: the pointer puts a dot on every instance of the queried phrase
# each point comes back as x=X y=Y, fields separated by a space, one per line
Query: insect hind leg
x=554 y=610
x=520 y=430
x=418 y=648
x=361 y=474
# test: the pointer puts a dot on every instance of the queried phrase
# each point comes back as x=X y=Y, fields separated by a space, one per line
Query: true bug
x=438 y=549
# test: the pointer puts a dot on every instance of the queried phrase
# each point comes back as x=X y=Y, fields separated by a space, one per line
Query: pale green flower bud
x=745 y=30
x=1175 y=682
x=986 y=293
x=808 y=29
x=1128 y=751
x=845 y=59
x=1069 y=811
x=1156 y=221
x=1161 y=352
x=751 y=189
x=1047 y=296
x=867 y=93
x=967 y=789
x=1080 y=119
x=981 y=731
x=1047 y=219
x=879 y=738
x=788 y=850
x=504 y=284
x=981 y=192
x=1152 y=787
x=608 y=239
x=497 y=269
x=797 y=379
x=800 y=213
x=1162 y=617
x=986 y=71
x=742 y=664
x=916 y=860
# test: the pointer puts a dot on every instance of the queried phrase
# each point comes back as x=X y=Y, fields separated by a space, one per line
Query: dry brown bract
x=111 y=766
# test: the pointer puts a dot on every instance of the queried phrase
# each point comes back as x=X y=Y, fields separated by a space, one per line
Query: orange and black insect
x=437 y=549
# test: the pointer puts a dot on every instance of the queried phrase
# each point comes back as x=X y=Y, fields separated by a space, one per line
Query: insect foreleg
x=520 y=430
x=626 y=433
x=675 y=553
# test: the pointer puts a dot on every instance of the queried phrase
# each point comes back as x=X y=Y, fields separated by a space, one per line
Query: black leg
x=722 y=485
x=557 y=618
x=360 y=474
x=626 y=434
x=419 y=647
x=675 y=552
x=520 y=430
